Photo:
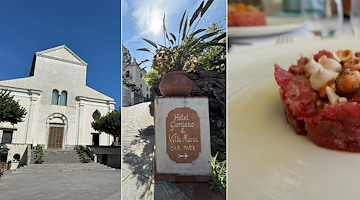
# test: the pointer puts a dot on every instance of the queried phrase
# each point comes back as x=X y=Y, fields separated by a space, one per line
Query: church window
x=127 y=74
x=96 y=115
x=55 y=97
x=63 y=98
x=141 y=75
x=140 y=85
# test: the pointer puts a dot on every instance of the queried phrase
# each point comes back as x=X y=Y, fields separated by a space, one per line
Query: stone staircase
x=61 y=167
x=60 y=160
x=61 y=156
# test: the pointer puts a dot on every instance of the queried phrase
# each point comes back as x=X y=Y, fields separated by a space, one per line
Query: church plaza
x=60 y=108
x=75 y=185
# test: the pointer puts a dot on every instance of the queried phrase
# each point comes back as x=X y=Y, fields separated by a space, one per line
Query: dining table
x=298 y=35
x=266 y=158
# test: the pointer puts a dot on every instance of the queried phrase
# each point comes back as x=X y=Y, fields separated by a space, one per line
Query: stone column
x=80 y=121
x=31 y=117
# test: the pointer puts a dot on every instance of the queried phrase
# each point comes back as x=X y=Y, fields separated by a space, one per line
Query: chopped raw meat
x=321 y=53
x=331 y=126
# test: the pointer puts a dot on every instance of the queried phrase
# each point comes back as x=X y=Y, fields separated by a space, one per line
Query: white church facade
x=60 y=107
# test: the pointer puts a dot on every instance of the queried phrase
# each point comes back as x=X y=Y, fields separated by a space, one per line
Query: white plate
x=275 y=25
x=266 y=159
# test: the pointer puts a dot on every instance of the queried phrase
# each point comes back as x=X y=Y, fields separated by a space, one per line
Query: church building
x=59 y=105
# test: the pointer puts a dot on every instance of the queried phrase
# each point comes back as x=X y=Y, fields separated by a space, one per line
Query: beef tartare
x=321 y=98
x=241 y=15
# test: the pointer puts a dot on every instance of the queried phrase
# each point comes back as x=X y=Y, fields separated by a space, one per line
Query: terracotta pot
x=175 y=84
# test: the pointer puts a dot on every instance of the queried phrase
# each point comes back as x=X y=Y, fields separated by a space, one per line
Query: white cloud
x=124 y=6
x=149 y=15
x=146 y=17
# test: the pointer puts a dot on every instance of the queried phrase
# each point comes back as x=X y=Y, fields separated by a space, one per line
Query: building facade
x=60 y=107
x=137 y=90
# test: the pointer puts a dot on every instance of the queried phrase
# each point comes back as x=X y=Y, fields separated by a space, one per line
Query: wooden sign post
x=182 y=137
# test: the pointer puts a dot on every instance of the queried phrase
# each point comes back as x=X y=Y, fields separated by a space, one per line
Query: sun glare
x=156 y=24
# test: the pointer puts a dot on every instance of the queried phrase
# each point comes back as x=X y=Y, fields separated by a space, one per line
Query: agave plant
x=181 y=52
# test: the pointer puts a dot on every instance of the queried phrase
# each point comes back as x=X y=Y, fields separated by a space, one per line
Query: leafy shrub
x=39 y=154
x=82 y=153
x=3 y=167
x=152 y=78
x=182 y=52
x=218 y=175
x=218 y=146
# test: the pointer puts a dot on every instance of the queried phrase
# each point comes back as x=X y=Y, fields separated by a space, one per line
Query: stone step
x=61 y=156
x=61 y=167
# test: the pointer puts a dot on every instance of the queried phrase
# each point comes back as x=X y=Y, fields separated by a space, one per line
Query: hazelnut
x=344 y=55
x=348 y=81
x=353 y=63
x=322 y=89
x=355 y=94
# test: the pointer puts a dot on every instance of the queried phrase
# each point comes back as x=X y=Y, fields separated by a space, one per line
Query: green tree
x=214 y=57
x=152 y=78
x=110 y=123
x=10 y=110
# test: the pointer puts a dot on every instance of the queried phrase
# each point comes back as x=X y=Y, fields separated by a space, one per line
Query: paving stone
x=137 y=148
x=59 y=185
x=165 y=190
x=61 y=167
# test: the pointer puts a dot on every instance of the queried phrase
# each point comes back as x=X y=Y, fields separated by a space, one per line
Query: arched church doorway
x=56 y=135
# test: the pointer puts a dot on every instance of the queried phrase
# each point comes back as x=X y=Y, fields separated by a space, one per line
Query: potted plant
x=39 y=154
x=178 y=55
x=3 y=167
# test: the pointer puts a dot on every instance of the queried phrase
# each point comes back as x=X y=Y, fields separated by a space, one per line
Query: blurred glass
x=355 y=17
x=322 y=17
x=291 y=5
x=272 y=6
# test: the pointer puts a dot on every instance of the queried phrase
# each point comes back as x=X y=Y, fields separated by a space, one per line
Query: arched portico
x=56 y=131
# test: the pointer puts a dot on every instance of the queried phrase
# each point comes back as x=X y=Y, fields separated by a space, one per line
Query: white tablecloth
x=301 y=34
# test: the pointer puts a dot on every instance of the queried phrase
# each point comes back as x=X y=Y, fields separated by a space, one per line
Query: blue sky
x=90 y=28
x=143 y=19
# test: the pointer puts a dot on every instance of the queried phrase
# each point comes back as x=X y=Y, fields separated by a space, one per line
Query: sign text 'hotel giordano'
x=183 y=143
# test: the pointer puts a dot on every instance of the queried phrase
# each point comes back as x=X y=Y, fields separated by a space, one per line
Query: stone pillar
x=80 y=122
x=182 y=136
x=95 y=158
x=31 y=118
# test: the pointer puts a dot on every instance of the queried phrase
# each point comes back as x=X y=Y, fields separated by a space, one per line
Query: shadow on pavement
x=139 y=159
